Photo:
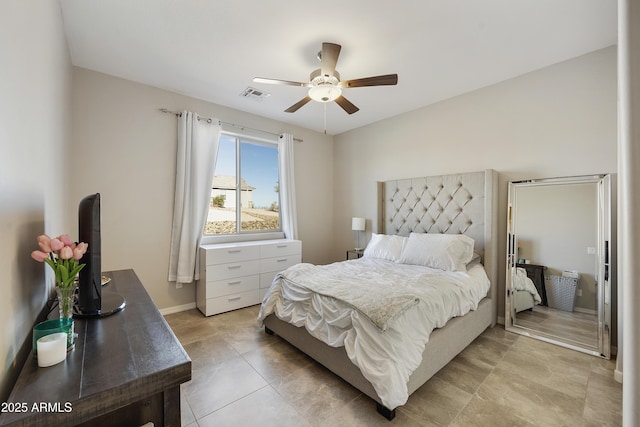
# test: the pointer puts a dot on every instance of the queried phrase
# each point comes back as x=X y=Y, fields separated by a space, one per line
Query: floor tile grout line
x=270 y=385
x=485 y=379
x=231 y=403
x=310 y=421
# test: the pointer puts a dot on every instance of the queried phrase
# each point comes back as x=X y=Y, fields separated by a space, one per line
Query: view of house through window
x=245 y=196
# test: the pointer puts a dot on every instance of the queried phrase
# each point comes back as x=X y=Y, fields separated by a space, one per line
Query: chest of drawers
x=236 y=275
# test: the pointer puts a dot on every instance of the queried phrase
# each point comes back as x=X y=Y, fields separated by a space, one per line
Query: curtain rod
x=210 y=120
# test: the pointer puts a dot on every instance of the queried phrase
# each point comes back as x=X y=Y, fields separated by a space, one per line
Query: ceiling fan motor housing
x=317 y=78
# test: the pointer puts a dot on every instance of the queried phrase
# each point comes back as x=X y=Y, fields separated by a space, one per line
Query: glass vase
x=66 y=301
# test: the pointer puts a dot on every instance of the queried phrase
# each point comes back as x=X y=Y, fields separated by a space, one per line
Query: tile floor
x=244 y=377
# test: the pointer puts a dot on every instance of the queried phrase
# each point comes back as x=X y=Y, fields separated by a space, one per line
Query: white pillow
x=449 y=252
x=386 y=247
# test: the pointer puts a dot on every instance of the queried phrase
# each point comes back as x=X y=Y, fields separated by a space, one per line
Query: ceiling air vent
x=255 y=94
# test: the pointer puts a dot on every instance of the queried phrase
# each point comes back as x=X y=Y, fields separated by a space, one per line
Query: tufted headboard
x=463 y=203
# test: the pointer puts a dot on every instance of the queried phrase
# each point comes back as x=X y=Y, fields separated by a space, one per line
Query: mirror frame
x=604 y=253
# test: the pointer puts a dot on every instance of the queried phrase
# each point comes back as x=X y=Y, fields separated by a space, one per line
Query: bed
x=460 y=206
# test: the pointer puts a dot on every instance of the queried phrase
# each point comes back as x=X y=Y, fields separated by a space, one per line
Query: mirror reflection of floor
x=567 y=325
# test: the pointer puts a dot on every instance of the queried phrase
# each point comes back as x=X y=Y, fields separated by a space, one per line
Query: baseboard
x=177 y=308
x=617 y=375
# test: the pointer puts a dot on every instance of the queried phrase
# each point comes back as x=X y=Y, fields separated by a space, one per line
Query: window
x=245 y=197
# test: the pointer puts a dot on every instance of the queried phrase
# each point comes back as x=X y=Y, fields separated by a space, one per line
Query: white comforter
x=386 y=358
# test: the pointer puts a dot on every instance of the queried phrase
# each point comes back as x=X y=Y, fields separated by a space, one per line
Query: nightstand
x=536 y=274
x=354 y=253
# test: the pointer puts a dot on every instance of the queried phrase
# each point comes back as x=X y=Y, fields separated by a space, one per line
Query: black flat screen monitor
x=92 y=301
x=90 y=285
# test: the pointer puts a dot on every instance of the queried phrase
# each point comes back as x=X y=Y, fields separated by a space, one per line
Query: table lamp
x=358 y=224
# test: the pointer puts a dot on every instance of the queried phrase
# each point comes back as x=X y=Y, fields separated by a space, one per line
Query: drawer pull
x=233 y=267
x=282 y=246
x=234 y=283
x=234 y=251
x=283 y=260
x=234 y=299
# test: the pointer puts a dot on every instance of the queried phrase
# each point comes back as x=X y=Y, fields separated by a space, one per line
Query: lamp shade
x=357 y=224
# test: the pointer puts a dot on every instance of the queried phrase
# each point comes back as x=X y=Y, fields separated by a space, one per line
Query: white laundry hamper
x=561 y=290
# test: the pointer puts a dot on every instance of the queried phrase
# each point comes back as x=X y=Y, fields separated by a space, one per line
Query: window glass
x=222 y=209
x=260 y=200
x=244 y=192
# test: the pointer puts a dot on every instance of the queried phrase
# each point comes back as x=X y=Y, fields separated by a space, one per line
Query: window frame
x=239 y=235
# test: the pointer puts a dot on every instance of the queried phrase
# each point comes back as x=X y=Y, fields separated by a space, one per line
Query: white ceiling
x=212 y=49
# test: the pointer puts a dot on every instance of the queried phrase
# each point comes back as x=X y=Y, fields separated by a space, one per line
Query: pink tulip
x=66 y=239
x=44 y=247
x=82 y=246
x=39 y=255
x=77 y=253
x=44 y=242
x=56 y=245
x=66 y=253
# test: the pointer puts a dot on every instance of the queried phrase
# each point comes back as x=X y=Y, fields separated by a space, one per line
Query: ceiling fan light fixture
x=324 y=93
x=325 y=84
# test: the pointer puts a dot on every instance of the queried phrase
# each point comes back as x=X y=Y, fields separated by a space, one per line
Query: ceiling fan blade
x=295 y=107
x=346 y=104
x=329 y=58
x=385 y=80
x=279 y=82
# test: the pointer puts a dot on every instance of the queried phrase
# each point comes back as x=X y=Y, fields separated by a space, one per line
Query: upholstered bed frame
x=460 y=203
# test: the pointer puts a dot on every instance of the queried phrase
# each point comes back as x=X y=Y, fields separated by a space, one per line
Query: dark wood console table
x=125 y=370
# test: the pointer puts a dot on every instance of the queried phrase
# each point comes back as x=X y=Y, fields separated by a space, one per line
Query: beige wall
x=124 y=148
x=557 y=121
x=35 y=87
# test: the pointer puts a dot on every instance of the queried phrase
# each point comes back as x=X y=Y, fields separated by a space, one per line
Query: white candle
x=51 y=349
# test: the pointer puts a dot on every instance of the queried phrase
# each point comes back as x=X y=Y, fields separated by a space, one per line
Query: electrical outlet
x=579 y=292
x=178 y=285
x=591 y=250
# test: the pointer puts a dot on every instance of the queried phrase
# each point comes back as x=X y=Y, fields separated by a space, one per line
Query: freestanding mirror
x=558 y=285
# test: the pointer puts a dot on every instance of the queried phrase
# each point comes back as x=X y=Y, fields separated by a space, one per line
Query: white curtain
x=287 y=187
x=196 y=158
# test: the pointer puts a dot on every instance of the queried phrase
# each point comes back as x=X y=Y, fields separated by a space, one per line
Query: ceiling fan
x=325 y=85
